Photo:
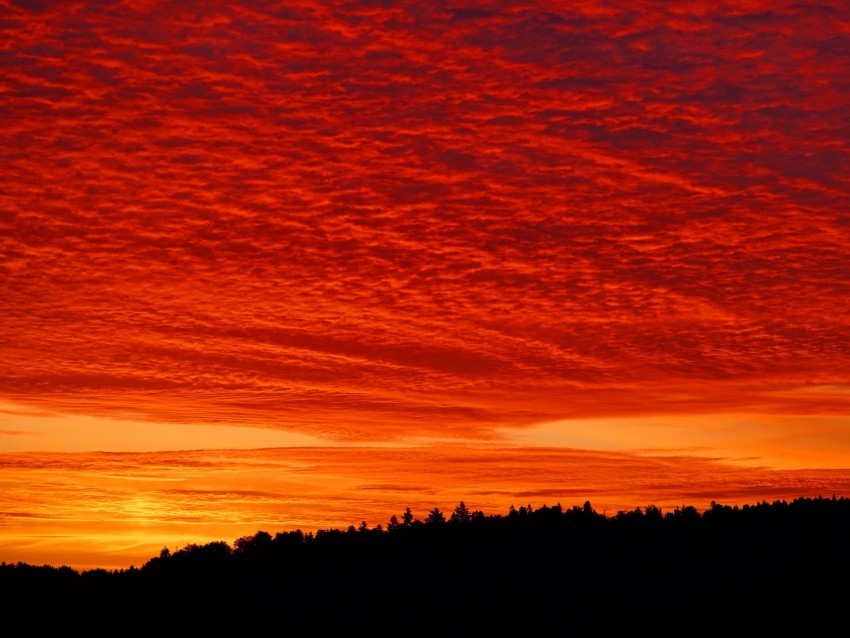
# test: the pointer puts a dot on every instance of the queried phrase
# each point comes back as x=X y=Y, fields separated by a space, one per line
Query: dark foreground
x=780 y=568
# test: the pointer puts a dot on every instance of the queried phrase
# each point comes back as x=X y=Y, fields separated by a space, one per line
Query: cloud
x=373 y=221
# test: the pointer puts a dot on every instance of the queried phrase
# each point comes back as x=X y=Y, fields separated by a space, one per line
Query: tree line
x=777 y=563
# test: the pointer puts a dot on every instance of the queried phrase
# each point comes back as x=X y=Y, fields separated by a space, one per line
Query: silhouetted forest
x=769 y=567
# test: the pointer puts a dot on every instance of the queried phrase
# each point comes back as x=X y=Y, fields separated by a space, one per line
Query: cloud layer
x=377 y=219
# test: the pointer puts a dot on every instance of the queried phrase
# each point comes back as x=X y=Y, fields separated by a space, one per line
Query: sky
x=278 y=265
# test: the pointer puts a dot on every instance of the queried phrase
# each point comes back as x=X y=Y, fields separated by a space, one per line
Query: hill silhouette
x=767 y=567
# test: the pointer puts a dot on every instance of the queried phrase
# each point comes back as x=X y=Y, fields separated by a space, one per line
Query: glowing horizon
x=592 y=230
x=114 y=510
x=736 y=439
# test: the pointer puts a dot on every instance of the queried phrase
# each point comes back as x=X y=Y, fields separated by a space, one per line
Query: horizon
x=446 y=517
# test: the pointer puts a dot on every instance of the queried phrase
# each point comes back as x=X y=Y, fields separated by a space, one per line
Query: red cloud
x=369 y=222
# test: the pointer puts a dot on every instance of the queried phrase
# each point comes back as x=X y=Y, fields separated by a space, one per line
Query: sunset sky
x=278 y=265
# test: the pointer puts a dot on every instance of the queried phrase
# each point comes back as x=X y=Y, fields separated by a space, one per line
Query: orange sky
x=586 y=249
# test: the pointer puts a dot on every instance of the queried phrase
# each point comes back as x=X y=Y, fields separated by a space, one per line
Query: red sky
x=593 y=229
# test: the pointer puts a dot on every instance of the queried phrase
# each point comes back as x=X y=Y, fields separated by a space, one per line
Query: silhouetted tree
x=407 y=517
x=557 y=563
x=653 y=513
x=460 y=514
x=435 y=517
x=293 y=538
x=248 y=544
